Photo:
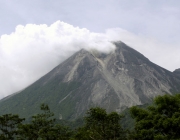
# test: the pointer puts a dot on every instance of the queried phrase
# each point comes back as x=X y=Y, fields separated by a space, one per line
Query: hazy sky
x=37 y=35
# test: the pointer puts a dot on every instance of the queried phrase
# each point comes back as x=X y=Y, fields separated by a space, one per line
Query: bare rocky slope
x=177 y=72
x=114 y=81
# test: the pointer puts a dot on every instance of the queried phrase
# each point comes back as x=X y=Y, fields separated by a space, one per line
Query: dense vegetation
x=27 y=102
x=159 y=121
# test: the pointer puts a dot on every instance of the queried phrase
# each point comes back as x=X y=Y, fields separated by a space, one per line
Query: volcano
x=114 y=81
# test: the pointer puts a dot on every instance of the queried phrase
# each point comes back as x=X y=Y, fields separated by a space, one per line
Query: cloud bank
x=33 y=50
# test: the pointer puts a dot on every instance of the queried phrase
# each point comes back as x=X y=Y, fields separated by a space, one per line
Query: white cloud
x=33 y=50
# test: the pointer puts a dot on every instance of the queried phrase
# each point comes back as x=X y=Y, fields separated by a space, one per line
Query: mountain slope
x=114 y=81
x=177 y=72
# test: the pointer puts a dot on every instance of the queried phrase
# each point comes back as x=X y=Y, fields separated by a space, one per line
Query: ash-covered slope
x=114 y=81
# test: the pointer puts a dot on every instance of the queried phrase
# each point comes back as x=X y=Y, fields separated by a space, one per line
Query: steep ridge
x=114 y=81
x=177 y=72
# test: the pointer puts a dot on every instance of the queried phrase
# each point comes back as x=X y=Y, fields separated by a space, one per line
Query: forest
x=157 y=121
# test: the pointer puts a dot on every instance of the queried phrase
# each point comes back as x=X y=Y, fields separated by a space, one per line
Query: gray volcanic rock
x=177 y=72
x=114 y=81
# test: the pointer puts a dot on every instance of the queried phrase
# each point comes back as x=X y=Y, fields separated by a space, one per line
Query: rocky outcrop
x=177 y=72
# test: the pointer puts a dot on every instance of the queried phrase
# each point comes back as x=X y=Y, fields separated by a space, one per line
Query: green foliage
x=9 y=126
x=43 y=127
x=26 y=103
x=101 y=126
x=160 y=120
x=60 y=132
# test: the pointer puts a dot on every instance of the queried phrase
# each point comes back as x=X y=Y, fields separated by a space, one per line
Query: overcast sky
x=37 y=35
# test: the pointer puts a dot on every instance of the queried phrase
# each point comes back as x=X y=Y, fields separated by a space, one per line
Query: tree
x=60 y=132
x=160 y=120
x=101 y=126
x=9 y=126
x=43 y=127
x=40 y=126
